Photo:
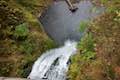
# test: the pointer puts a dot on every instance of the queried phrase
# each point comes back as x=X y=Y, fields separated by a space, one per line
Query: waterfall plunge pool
x=61 y=24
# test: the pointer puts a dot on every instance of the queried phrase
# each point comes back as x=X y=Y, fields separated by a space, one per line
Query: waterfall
x=53 y=64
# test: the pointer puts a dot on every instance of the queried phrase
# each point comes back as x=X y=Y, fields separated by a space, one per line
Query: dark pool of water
x=61 y=24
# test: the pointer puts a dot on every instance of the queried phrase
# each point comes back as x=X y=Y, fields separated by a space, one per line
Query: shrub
x=86 y=45
x=82 y=58
x=21 y=31
x=26 y=47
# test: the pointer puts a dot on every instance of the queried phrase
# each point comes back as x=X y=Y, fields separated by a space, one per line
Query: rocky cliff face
x=22 y=38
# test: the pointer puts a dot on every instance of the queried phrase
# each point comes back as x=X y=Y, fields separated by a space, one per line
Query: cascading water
x=53 y=64
x=61 y=24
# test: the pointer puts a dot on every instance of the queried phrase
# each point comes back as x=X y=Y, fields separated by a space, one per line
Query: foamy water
x=53 y=64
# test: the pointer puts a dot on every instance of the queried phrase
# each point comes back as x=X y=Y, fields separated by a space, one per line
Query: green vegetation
x=98 y=51
x=34 y=6
x=5 y=70
x=26 y=47
x=86 y=45
x=83 y=58
x=21 y=30
x=22 y=39
x=83 y=26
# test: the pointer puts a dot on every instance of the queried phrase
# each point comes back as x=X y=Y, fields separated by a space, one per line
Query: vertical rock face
x=22 y=38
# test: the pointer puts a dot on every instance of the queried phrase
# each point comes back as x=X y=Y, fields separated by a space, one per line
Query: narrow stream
x=61 y=25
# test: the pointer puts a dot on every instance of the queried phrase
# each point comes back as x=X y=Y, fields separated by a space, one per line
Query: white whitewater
x=53 y=64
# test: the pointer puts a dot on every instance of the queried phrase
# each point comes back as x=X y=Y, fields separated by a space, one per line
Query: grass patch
x=83 y=26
